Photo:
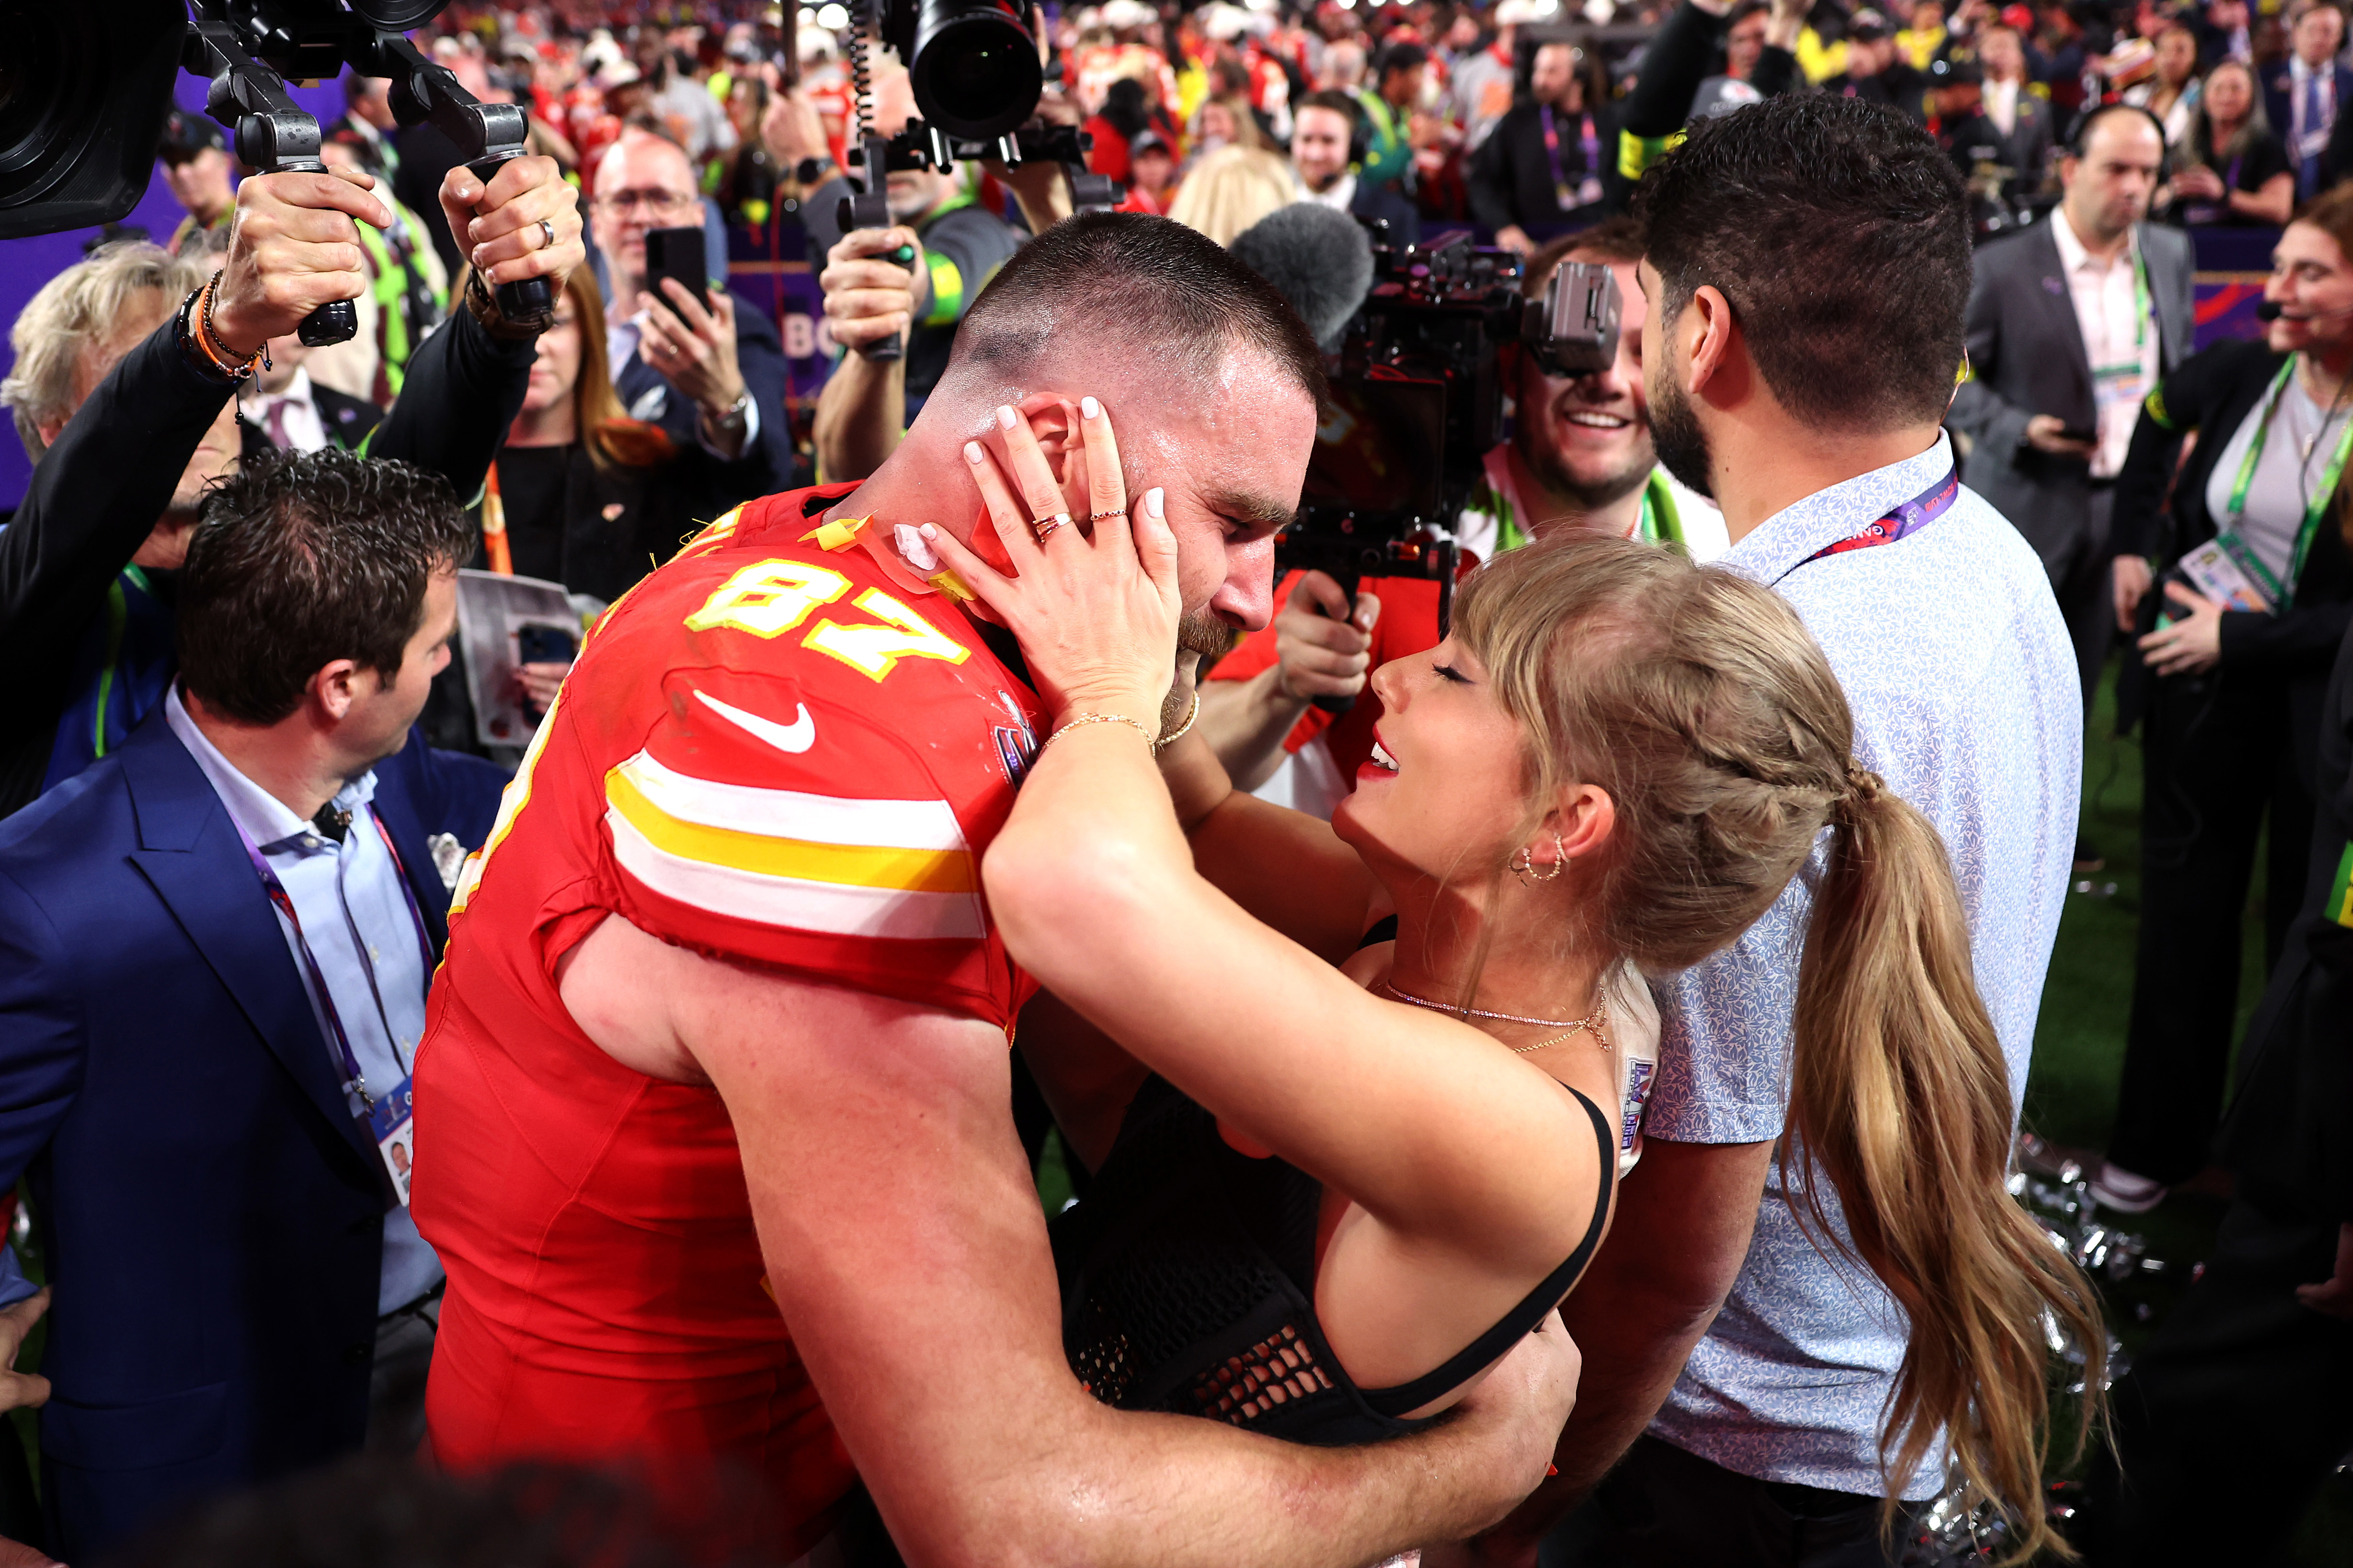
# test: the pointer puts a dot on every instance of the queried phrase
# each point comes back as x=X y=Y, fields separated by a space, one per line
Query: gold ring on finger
x=1044 y=527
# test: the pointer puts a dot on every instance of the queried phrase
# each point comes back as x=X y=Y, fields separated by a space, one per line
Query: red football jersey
x=768 y=751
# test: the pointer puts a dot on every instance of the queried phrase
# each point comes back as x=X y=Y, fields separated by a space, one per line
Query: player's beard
x=1675 y=434
x=1200 y=634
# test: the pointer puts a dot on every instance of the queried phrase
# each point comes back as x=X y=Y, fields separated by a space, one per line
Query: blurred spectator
x=1222 y=122
x=688 y=114
x=1541 y=170
x=2301 y=98
x=1873 y=71
x=1234 y=187
x=1744 y=49
x=1922 y=38
x=408 y=293
x=2238 y=172
x=2229 y=691
x=123 y=454
x=1327 y=141
x=2053 y=397
x=1398 y=73
x=197 y=166
x=368 y=116
x=1151 y=171
x=2222 y=32
x=2010 y=120
x=1126 y=113
x=282 y=411
x=1344 y=66
x=2172 y=90
x=712 y=375
x=747 y=186
x=259 y=855
x=1481 y=80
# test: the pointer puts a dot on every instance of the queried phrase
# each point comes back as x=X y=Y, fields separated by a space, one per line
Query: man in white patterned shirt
x=1808 y=262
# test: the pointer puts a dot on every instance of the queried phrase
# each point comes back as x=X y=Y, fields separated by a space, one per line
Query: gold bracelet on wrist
x=1085 y=718
x=1183 y=730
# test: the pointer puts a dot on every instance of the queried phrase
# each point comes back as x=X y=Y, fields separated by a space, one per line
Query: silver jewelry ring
x=1043 y=527
x=546 y=235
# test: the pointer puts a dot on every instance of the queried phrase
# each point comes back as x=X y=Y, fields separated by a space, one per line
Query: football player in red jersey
x=715 y=1133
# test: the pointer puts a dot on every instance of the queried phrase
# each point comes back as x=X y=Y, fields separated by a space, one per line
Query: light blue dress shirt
x=1963 y=684
x=355 y=916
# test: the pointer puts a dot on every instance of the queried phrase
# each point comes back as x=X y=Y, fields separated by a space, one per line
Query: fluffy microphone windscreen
x=1317 y=258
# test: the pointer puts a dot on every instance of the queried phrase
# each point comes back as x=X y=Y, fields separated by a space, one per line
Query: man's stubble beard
x=1198 y=633
x=1675 y=436
x=1592 y=495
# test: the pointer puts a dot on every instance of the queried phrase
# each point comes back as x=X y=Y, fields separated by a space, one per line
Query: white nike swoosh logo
x=796 y=737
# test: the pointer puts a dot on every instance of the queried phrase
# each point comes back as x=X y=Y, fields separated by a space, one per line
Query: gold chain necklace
x=1592 y=1021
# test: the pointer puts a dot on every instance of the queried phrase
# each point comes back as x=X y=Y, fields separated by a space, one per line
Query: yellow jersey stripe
x=865 y=865
x=796 y=814
x=833 y=908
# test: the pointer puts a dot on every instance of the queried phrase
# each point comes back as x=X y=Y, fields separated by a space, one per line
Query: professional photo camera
x=1419 y=403
x=83 y=98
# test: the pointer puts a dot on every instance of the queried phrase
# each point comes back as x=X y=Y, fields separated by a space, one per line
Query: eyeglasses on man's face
x=653 y=203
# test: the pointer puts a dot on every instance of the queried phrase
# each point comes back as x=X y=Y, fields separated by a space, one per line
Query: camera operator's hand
x=499 y=223
x=869 y=298
x=2048 y=433
x=1321 y=654
x=791 y=130
x=694 y=348
x=1512 y=237
x=1042 y=188
x=292 y=248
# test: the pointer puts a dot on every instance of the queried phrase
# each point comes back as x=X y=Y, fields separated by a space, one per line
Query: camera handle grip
x=870 y=208
x=523 y=301
x=1332 y=703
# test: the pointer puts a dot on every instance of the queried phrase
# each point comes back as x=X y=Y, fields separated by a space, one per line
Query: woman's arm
x=1430 y=1126
x=2272 y=204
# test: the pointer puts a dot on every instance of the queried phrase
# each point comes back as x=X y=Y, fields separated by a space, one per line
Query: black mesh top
x=1188 y=1284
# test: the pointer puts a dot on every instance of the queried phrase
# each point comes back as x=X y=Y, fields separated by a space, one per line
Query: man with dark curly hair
x=215 y=945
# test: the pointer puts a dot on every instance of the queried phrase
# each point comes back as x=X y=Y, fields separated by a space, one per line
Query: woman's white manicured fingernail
x=1089 y=408
x=972 y=453
x=1153 y=498
x=929 y=531
x=1005 y=416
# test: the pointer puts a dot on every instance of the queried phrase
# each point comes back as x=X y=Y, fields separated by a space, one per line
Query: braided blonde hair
x=1697 y=699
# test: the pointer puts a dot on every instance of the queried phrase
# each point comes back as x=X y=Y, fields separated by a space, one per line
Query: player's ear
x=1054 y=420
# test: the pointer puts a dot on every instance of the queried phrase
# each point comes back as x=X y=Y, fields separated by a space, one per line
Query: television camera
x=1419 y=403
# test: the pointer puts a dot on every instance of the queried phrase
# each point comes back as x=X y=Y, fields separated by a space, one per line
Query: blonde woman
x=1360 y=1176
x=1231 y=189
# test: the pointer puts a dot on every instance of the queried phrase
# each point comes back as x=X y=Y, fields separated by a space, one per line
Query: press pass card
x=392 y=1122
x=2216 y=571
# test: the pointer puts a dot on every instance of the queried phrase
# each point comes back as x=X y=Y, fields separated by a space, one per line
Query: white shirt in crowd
x=1337 y=195
x=2118 y=318
x=291 y=416
x=2001 y=105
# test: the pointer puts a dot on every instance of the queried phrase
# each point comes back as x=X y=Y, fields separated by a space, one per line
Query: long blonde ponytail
x=1899 y=1094
x=1697 y=699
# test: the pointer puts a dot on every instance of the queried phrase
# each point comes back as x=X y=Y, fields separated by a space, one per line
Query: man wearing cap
x=195 y=156
x=1874 y=73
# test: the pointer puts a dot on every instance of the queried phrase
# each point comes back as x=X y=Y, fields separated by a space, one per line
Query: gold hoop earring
x=1524 y=865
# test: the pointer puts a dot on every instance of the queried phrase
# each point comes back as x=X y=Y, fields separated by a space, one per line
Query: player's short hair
x=305 y=558
x=1114 y=281
x=1839 y=231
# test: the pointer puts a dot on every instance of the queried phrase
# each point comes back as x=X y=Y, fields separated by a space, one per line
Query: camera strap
x=1901 y=523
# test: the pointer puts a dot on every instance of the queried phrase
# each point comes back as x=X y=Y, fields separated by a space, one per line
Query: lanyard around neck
x=355 y=1078
x=2316 y=502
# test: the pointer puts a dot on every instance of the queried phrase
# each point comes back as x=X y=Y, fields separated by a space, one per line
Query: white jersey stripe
x=834 y=908
x=793 y=814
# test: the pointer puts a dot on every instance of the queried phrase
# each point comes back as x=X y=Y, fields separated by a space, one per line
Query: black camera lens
x=974 y=69
x=46 y=78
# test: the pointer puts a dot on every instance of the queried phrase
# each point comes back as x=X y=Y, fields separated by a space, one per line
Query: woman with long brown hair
x=2243 y=588
x=1359 y=1176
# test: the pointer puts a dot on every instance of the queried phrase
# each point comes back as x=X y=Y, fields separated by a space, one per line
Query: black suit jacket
x=2279 y=103
x=1510 y=176
x=211 y=1212
x=766 y=465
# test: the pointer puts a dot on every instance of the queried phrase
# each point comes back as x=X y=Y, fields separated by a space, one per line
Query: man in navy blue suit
x=712 y=376
x=215 y=946
x=2305 y=96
